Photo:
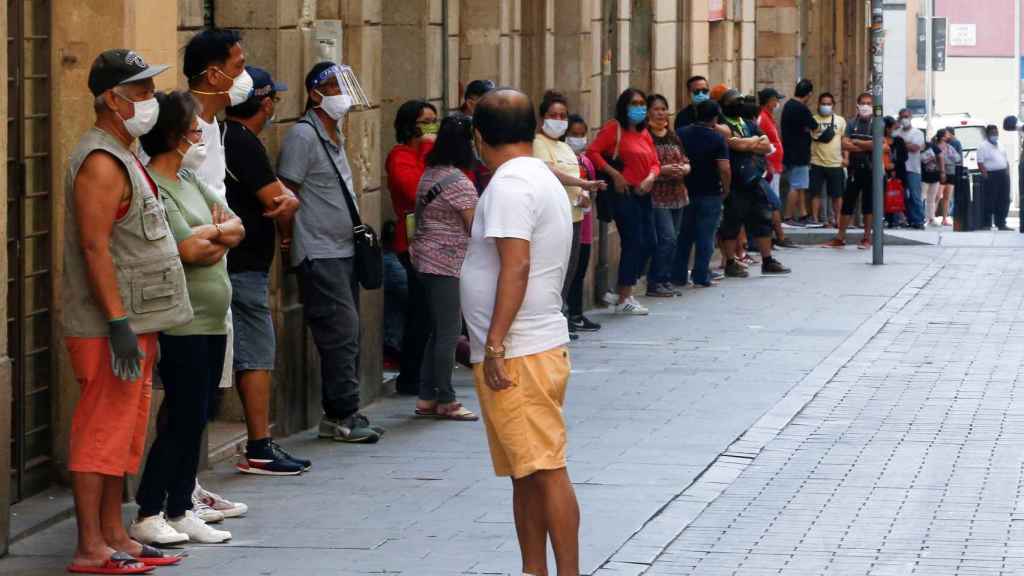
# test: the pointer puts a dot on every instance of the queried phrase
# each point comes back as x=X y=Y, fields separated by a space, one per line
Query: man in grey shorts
x=266 y=207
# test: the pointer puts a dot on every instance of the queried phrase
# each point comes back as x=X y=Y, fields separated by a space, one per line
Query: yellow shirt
x=828 y=155
x=559 y=156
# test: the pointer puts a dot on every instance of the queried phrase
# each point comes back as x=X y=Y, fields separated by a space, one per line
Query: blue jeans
x=666 y=230
x=915 y=201
x=700 y=221
x=634 y=218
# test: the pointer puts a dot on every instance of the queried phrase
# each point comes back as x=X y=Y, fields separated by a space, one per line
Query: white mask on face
x=577 y=143
x=146 y=114
x=905 y=123
x=335 y=106
x=825 y=110
x=194 y=157
x=241 y=86
x=864 y=110
x=270 y=122
x=555 y=128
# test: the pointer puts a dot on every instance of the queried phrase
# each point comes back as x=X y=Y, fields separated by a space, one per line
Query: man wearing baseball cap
x=312 y=163
x=117 y=244
x=267 y=209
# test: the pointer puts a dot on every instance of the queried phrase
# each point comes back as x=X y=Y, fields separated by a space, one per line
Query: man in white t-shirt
x=511 y=290
x=995 y=168
x=914 y=140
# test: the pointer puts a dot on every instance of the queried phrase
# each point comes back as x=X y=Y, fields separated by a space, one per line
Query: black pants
x=860 y=186
x=445 y=325
x=576 y=287
x=330 y=303
x=190 y=369
x=416 y=331
x=574 y=260
x=997 y=198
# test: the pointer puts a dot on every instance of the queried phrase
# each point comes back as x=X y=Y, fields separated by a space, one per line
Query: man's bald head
x=505 y=116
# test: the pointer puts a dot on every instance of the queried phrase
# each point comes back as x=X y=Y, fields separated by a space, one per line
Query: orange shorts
x=108 y=430
x=525 y=428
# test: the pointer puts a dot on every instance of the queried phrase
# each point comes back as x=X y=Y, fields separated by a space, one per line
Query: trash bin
x=961 y=201
x=976 y=217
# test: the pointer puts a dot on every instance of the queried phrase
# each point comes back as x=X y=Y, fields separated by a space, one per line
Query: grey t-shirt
x=323 y=226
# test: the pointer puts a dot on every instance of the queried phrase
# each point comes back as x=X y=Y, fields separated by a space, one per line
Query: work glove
x=125 y=355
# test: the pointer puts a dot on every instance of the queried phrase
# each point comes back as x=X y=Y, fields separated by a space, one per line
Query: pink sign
x=716 y=10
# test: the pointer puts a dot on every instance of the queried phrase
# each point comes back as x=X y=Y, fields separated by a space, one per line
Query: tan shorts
x=525 y=428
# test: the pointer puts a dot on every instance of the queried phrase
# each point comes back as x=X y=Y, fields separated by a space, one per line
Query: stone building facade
x=400 y=49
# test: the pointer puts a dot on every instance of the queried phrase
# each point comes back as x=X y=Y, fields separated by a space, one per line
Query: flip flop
x=151 y=556
x=425 y=413
x=459 y=415
x=118 y=563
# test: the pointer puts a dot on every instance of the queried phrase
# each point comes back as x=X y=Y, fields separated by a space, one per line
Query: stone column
x=572 y=51
x=481 y=40
x=748 y=45
x=778 y=44
x=696 y=56
x=665 y=58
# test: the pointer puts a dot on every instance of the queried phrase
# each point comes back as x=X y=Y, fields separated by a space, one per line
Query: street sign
x=938 y=44
x=963 y=35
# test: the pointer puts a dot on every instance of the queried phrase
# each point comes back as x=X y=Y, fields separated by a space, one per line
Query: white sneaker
x=631 y=308
x=204 y=511
x=219 y=503
x=155 y=530
x=610 y=298
x=197 y=530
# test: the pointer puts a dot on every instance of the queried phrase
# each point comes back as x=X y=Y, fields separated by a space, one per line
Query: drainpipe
x=445 y=73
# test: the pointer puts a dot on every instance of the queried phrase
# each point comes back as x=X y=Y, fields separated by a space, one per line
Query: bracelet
x=494 y=351
x=219 y=231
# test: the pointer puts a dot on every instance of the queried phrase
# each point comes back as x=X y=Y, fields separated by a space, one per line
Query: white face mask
x=335 y=106
x=825 y=110
x=241 y=86
x=577 y=143
x=905 y=123
x=194 y=157
x=555 y=128
x=864 y=110
x=146 y=114
x=270 y=122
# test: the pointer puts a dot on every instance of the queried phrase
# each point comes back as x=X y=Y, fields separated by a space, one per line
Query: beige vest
x=150 y=276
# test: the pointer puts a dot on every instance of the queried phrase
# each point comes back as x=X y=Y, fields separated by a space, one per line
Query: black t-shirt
x=797 y=124
x=249 y=170
x=704 y=147
x=859 y=129
x=685 y=117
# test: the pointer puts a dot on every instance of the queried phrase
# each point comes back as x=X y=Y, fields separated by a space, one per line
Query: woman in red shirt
x=415 y=131
x=625 y=152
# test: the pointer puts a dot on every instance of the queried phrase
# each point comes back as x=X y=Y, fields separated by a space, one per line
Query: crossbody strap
x=357 y=222
x=434 y=192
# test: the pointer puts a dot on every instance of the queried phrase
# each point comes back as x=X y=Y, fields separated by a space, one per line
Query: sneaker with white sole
x=631 y=308
x=219 y=503
x=154 y=530
x=197 y=530
x=204 y=511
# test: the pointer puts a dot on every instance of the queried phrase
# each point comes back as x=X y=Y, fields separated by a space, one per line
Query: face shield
x=348 y=85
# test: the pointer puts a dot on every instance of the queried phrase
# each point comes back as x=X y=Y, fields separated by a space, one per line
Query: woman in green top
x=192 y=356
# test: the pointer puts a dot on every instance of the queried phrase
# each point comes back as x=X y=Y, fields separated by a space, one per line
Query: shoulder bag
x=605 y=199
x=368 y=259
x=421 y=203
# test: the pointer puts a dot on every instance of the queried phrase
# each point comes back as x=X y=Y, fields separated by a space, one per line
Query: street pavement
x=844 y=419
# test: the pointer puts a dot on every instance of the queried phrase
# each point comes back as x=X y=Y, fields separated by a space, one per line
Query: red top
x=636 y=150
x=766 y=122
x=405 y=166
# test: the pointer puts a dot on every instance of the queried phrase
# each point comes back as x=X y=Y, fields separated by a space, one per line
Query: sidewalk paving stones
x=905 y=375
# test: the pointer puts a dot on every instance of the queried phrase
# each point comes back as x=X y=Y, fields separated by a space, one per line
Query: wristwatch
x=494 y=351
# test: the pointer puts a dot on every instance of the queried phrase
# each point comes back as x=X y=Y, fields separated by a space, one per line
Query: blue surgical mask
x=993 y=139
x=699 y=97
x=637 y=114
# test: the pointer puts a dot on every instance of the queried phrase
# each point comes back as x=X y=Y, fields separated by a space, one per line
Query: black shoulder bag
x=605 y=199
x=368 y=260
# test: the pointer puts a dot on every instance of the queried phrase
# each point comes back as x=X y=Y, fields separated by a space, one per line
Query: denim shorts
x=799 y=177
x=255 y=341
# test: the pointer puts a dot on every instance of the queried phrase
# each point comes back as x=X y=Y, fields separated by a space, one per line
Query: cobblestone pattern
x=907 y=462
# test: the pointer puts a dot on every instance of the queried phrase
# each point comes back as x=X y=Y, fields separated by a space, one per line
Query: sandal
x=118 y=563
x=150 y=556
x=460 y=414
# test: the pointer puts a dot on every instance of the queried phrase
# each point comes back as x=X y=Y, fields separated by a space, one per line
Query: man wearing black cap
x=769 y=100
x=312 y=163
x=266 y=208
x=117 y=243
